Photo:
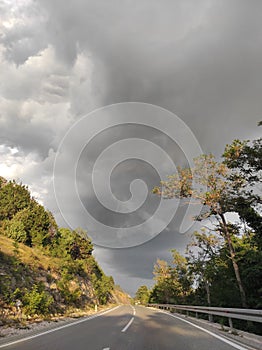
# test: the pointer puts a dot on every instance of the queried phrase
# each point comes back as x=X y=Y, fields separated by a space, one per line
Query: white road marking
x=236 y=346
x=106 y=349
x=58 y=328
x=132 y=319
x=129 y=324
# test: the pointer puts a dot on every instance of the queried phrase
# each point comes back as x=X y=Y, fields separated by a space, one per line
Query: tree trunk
x=235 y=265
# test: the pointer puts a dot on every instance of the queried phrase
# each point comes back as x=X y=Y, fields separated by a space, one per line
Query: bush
x=16 y=231
x=37 y=301
x=71 y=297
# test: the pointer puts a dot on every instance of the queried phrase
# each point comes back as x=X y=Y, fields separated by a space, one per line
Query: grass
x=29 y=256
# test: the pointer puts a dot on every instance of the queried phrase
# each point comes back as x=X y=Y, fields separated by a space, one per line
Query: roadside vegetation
x=222 y=265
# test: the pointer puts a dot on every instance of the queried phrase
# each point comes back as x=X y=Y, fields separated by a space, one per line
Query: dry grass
x=29 y=256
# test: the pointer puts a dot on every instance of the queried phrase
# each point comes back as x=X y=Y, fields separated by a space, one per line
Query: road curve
x=125 y=327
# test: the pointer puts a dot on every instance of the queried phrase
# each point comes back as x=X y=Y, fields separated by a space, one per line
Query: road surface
x=125 y=327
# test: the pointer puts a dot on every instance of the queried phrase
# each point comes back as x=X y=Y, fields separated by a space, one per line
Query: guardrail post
x=230 y=323
x=196 y=314
x=210 y=318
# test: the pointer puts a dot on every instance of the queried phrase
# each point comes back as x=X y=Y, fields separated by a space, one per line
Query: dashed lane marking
x=128 y=325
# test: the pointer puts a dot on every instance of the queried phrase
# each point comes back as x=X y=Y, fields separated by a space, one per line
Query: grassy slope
x=29 y=256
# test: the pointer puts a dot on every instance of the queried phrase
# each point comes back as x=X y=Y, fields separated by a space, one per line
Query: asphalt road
x=126 y=327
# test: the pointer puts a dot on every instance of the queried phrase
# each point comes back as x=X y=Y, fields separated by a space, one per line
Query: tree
x=103 y=287
x=34 y=223
x=212 y=188
x=13 y=198
x=75 y=244
x=250 y=263
x=81 y=247
x=180 y=275
x=173 y=283
x=163 y=290
x=244 y=158
x=201 y=254
x=40 y=224
x=142 y=295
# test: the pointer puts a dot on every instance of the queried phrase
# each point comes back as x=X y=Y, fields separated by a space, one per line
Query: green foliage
x=40 y=225
x=142 y=295
x=70 y=296
x=245 y=161
x=13 y=198
x=246 y=158
x=81 y=246
x=22 y=218
x=17 y=294
x=202 y=259
x=103 y=287
x=173 y=282
x=37 y=301
x=208 y=269
x=74 y=244
x=250 y=263
x=15 y=229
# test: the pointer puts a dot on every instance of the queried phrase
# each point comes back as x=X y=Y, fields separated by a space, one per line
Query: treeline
x=62 y=274
x=222 y=265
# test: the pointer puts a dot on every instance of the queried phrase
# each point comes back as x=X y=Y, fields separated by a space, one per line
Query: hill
x=45 y=271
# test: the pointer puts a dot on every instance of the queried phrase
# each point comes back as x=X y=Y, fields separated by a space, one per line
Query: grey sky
x=60 y=60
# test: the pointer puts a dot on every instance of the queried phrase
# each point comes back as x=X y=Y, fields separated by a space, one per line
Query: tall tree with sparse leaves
x=212 y=188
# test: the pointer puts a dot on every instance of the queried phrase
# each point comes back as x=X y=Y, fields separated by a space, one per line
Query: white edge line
x=127 y=326
x=57 y=329
x=239 y=347
x=134 y=311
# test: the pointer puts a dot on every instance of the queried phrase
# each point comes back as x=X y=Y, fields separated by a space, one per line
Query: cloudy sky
x=61 y=60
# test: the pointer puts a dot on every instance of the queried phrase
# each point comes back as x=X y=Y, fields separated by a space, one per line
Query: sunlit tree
x=210 y=185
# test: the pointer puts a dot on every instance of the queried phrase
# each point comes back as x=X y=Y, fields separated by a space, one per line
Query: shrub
x=37 y=301
x=16 y=231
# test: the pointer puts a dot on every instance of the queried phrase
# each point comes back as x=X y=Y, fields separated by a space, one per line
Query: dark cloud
x=199 y=59
x=132 y=267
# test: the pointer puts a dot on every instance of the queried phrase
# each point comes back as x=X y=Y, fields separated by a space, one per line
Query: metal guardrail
x=230 y=313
